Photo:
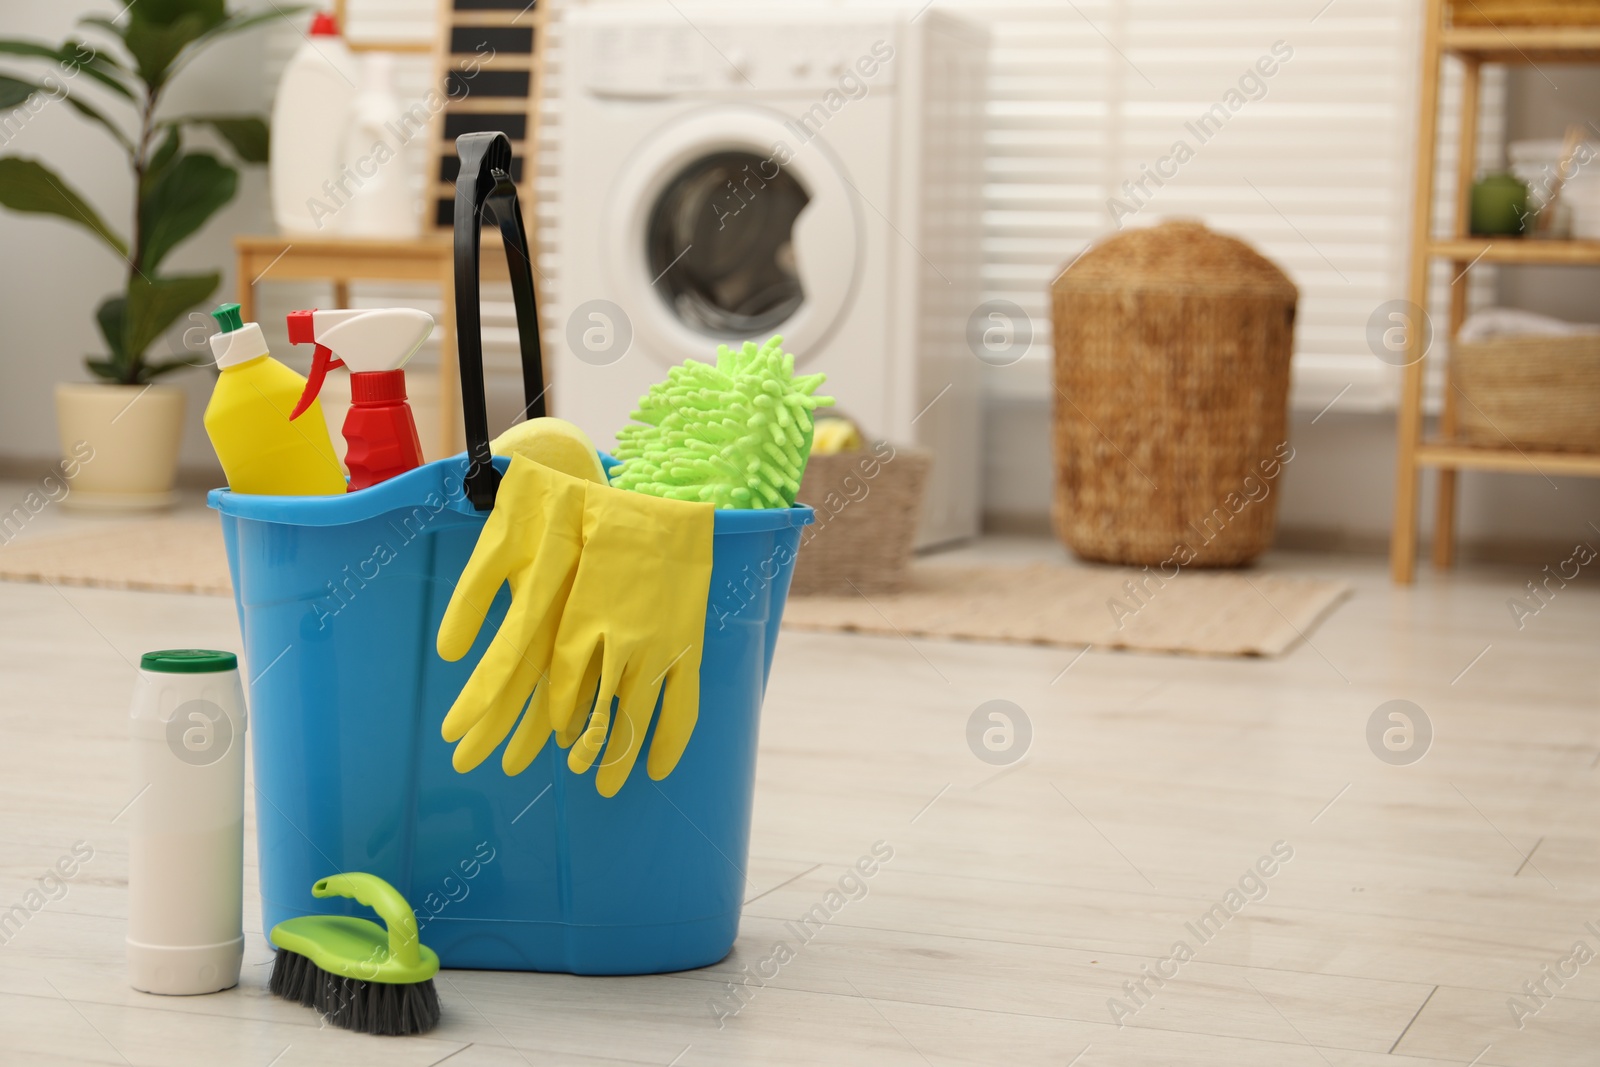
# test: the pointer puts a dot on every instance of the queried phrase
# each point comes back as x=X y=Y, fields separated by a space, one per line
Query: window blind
x=1288 y=125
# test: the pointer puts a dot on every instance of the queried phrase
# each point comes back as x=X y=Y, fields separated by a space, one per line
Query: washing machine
x=729 y=173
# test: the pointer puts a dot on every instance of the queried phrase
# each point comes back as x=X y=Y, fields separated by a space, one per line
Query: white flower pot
x=119 y=444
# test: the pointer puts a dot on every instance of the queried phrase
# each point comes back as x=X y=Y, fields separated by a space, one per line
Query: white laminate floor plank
x=1461 y=1023
x=1020 y=898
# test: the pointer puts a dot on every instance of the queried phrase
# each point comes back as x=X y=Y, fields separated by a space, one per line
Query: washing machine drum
x=720 y=239
x=713 y=236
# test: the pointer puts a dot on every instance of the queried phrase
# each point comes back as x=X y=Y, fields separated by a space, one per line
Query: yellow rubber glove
x=635 y=621
x=532 y=539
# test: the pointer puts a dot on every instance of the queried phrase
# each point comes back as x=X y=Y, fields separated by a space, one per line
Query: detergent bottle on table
x=374 y=344
x=385 y=205
x=311 y=117
x=248 y=419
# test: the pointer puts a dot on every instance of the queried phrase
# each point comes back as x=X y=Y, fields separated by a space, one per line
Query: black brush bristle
x=365 y=1007
x=294 y=978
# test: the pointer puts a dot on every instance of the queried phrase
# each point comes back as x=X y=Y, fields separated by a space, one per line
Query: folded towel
x=1492 y=323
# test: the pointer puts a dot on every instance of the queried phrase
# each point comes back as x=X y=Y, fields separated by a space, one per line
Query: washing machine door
x=726 y=228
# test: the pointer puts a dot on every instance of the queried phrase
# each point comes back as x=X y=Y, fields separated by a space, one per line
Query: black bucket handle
x=484 y=190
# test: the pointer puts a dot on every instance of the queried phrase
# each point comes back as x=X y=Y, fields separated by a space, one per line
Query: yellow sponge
x=556 y=443
x=834 y=435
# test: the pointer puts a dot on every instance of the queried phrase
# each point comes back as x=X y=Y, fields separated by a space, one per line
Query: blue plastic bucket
x=339 y=601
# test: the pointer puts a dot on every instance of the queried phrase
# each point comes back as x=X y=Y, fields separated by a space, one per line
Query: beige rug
x=1202 y=613
x=1198 y=612
x=175 y=554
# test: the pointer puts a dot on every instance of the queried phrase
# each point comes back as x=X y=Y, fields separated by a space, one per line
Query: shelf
x=1524 y=44
x=1468 y=457
x=1477 y=49
x=1517 y=250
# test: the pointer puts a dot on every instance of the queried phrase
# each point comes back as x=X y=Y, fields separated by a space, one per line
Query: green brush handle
x=391 y=907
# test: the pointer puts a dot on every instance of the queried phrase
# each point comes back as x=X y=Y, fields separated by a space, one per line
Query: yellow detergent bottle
x=248 y=419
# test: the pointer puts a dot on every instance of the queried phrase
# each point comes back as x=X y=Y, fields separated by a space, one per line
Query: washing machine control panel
x=637 y=58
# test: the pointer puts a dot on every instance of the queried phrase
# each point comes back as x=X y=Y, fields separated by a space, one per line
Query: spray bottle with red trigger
x=374 y=344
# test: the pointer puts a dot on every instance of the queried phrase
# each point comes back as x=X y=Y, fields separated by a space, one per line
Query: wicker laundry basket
x=867 y=504
x=1535 y=392
x=1171 y=400
x=1497 y=13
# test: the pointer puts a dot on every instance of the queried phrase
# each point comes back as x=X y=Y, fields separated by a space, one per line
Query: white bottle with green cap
x=186 y=823
x=248 y=419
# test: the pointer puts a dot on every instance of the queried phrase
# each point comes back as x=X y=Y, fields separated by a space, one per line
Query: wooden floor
x=1418 y=902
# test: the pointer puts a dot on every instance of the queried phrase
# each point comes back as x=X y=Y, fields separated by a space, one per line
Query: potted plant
x=132 y=426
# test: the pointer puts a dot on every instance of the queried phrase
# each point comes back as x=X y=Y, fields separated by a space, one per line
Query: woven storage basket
x=867 y=506
x=1171 y=401
x=1524 y=12
x=1536 y=392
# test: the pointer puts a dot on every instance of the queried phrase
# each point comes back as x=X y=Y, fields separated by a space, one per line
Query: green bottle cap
x=189 y=660
x=227 y=317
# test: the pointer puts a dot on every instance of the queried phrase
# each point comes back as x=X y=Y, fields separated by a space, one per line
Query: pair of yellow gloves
x=608 y=598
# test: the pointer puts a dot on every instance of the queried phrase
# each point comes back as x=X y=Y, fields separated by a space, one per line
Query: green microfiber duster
x=737 y=434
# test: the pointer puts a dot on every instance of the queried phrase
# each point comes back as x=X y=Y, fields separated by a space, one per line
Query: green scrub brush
x=737 y=434
x=354 y=972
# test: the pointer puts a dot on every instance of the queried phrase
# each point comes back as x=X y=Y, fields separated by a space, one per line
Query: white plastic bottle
x=186 y=824
x=383 y=204
x=310 y=117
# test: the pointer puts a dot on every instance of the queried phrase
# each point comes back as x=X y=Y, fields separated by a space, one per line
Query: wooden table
x=341 y=260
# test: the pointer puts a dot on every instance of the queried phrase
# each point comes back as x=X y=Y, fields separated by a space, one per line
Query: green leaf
x=112 y=317
x=151 y=371
x=15 y=92
x=13 y=46
x=10 y=88
x=154 y=304
x=27 y=185
x=102 y=368
x=106 y=70
x=162 y=156
x=163 y=35
x=246 y=134
x=166 y=12
x=74 y=55
x=95 y=115
x=83 y=52
x=103 y=22
x=178 y=202
x=154 y=46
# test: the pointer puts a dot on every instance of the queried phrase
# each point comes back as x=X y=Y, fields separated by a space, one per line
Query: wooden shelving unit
x=1474 y=47
x=1554 y=44
x=1515 y=250
x=1448 y=456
